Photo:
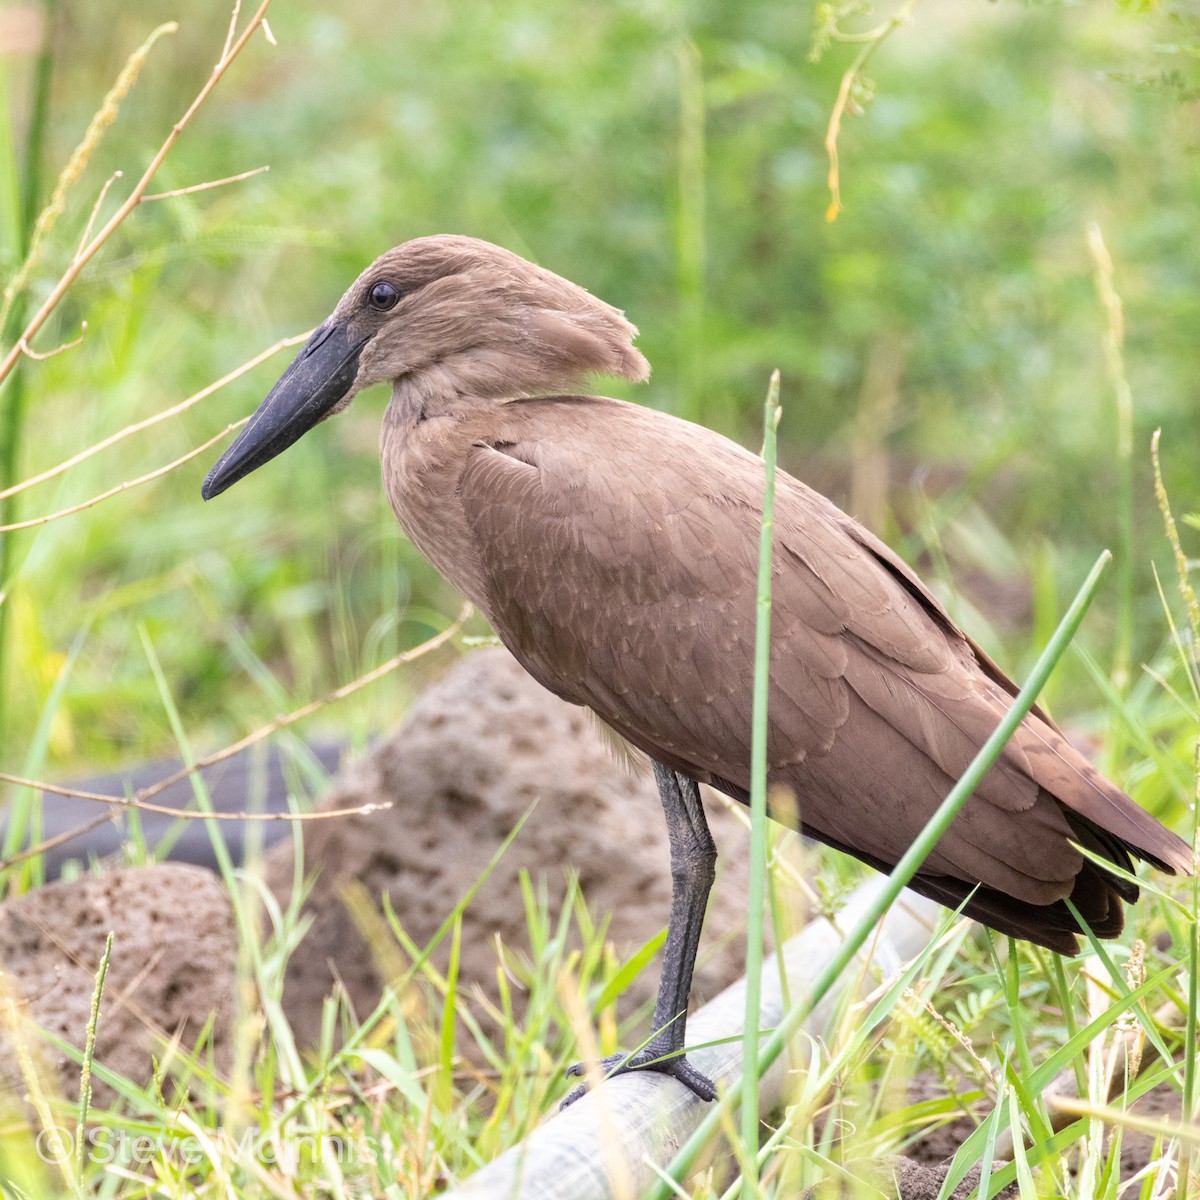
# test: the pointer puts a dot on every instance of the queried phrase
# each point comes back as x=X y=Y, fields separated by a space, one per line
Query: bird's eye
x=383 y=296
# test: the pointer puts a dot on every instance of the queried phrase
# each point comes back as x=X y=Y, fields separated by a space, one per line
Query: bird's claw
x=646 y=1059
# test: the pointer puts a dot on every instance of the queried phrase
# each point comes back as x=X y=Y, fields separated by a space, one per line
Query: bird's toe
x=676 y=1066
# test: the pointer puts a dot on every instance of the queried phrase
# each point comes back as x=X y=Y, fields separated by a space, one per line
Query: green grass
x=670 y=157
x=757 y=898
x=390 y=1112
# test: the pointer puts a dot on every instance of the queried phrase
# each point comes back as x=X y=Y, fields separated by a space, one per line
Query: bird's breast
x=422 y=460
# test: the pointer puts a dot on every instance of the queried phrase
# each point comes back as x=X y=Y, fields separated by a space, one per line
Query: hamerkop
x=614 y=550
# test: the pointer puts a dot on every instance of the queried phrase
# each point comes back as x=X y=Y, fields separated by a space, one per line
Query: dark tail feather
x=1096 y=894
x=1107 y=845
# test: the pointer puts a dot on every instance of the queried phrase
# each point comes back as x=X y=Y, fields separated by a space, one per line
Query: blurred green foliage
x=669 y=156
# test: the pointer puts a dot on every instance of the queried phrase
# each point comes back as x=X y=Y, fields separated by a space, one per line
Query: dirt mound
x=477 y=750
x=901 y=1179
x=172 y=965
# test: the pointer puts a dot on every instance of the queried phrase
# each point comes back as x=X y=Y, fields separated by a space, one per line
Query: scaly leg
x=693 y=859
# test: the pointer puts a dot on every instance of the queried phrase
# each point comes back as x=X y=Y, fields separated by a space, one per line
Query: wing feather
x=633 y=592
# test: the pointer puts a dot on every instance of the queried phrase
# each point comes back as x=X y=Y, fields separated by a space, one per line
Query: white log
x=604 y=1145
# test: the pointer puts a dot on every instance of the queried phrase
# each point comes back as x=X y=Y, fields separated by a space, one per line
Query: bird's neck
x=431 y=392
x=425 y=438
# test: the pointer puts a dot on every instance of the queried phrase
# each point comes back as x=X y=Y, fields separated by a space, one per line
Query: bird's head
x=444 y=315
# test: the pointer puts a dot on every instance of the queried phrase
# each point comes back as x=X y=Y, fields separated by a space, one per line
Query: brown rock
x=172 y=966
x=476 y=751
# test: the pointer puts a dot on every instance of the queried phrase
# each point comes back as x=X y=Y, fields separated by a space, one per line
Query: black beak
x=320 y=375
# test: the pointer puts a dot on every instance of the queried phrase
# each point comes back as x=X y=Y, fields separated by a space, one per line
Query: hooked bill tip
x=220 y=477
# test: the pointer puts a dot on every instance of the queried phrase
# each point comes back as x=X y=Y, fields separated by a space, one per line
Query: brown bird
x=614 y=550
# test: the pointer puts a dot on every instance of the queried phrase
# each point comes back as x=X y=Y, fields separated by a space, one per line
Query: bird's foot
x=649 y=1058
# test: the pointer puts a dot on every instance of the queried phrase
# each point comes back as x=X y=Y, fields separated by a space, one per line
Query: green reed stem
x=758 y=796
x=14 y=396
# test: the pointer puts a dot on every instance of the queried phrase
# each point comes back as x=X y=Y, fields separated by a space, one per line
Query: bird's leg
x=693 y=859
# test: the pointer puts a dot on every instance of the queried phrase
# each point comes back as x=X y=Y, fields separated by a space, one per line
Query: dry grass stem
x=871 y=42
x=831 y=145
x=135 y=197
x=206 y=186
x=1114 y=336
x=1181 y=564
x=127 y=486
x=960 y=1038
x=613 y=1162
x=166 y=414
x=1182 y=1132
x=188 y=814
x=42 y=355
x=100 y=198
x=233 y=20
x=54 y=842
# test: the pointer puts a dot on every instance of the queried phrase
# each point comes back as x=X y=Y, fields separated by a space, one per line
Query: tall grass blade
x=443 y=1090
x=89 y=1055
x=758 y=795
x=1191 y=1091
x=1114 y=340
x=13 y=398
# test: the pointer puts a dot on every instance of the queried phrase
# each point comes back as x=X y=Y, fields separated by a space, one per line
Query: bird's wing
x=620 y=549
x=1042 y=750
